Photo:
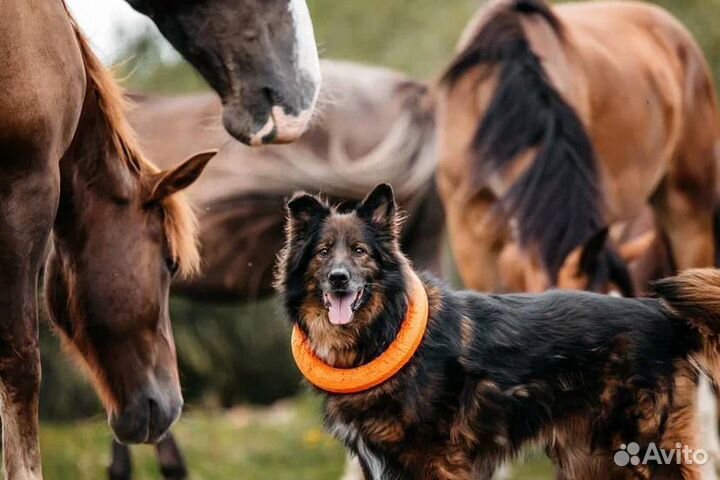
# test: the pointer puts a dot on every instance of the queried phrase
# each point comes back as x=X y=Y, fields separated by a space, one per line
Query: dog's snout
x=339 y=278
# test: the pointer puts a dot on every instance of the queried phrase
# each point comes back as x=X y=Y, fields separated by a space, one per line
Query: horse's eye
x=359 y=251
x=172 y=265
x=323 y=252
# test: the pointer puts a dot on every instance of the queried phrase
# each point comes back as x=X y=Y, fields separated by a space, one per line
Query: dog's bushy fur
x=577 y=373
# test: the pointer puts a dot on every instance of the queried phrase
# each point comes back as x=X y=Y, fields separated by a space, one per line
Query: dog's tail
x=694 y=295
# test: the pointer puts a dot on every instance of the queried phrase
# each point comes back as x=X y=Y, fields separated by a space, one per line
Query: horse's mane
x=557 y=201
x=179 y=219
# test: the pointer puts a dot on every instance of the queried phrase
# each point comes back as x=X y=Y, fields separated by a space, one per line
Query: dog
x=582 y=375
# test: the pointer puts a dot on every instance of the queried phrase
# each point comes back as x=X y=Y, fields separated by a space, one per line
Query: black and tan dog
x=578 y=373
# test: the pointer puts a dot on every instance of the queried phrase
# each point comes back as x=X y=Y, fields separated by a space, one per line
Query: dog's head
x=339 y=266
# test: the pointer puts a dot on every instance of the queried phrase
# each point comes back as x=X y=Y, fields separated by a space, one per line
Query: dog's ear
x=379 y=207
x=304 y=210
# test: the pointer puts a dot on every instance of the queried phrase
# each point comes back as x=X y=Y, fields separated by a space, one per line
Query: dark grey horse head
x=259 y=55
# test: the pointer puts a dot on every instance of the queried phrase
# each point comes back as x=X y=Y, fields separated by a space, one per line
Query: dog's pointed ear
x=303 y=210
x=379 y=207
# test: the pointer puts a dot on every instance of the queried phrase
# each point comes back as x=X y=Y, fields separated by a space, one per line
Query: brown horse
x=259 y=55
x=569 y=119
x=69 y=165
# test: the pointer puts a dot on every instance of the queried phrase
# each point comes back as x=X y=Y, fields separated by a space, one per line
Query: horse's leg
x=476 y=241
x=685 y=215
x=29 y=191
x=684 y=205
x=172 y=463
x=121 y=466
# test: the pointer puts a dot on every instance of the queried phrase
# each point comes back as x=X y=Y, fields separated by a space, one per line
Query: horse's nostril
x=270 y=96
x=152 y=407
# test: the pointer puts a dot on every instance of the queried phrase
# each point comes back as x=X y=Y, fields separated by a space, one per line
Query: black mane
x=557 y=201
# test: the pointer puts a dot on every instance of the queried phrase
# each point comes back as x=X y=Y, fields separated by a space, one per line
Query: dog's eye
x=323 y=252
x=359 y=251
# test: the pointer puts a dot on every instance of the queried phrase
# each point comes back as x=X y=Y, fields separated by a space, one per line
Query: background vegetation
x=232 y=354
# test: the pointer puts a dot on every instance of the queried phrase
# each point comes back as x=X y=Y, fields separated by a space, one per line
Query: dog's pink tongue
x=340 y=312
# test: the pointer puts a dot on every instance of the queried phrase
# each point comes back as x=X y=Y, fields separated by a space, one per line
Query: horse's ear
x=583 y=263
x=619 y=274
x=172 y=181
x=379 y=206
x=304 y=209
x=632 y=250
x=592 y=252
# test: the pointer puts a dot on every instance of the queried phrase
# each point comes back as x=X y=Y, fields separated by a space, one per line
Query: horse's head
x=597 y=267
x=259 y=55
x=119 y=240
x=594 y=266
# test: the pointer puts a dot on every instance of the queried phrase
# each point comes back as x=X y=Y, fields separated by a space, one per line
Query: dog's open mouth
x=342 y=306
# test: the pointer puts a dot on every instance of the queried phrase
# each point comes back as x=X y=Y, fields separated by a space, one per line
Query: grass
x=283 y=442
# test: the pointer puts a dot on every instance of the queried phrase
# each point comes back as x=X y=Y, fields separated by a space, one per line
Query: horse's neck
x=90 y=172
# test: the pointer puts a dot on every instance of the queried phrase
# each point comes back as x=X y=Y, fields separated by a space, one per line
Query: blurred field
x=282 y=442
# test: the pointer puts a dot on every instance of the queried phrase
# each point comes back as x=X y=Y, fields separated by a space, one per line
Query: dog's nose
x=339 y=278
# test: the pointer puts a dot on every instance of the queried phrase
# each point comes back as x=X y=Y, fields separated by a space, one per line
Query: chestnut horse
x=259 y=55
x=569 y=119
x=69 y=167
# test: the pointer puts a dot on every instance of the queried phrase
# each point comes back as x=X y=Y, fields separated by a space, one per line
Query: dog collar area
x=379 y=370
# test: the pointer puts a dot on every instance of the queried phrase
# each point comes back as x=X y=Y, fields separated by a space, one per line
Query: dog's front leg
x=375 y=466
x=484 y=469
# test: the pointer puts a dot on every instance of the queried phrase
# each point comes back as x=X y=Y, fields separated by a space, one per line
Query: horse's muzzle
x=147 y=417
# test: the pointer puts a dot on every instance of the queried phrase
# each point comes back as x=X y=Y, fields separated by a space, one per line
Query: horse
x=71 y=171
x=260 y=56
x=241 y=195
x=550 y=129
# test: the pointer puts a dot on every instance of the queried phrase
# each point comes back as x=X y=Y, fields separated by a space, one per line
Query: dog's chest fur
x=402 y=427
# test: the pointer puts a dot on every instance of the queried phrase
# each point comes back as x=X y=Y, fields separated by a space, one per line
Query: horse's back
x=627 y=30
x=42 y=79
x=641 y=72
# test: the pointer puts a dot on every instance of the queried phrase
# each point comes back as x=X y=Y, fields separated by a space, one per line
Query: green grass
x=283 y=442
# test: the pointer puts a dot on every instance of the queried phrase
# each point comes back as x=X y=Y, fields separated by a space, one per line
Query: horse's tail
x=556 y=201
x=694 y=296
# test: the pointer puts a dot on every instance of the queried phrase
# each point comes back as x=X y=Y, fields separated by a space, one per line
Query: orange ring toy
x=379 y=370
